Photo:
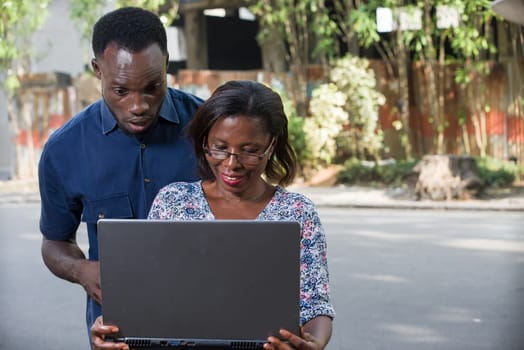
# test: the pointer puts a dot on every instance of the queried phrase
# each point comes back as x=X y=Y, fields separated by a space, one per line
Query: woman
x=241 y=142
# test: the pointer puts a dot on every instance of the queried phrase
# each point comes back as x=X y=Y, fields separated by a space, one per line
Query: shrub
x=344 y=113
x=386 y=172
x=498 y=173
x=493 y=172
x=297 y=136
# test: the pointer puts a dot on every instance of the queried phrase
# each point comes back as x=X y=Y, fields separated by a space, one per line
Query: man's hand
x=98 y=333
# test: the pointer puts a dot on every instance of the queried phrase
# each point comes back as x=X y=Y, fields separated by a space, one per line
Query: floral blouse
x=186 y=201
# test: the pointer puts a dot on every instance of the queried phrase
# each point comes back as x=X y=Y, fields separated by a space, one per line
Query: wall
x=502 y=122
x=57 y=45
x=42 y=104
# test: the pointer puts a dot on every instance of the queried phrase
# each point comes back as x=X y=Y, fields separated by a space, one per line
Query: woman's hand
x=98 y=333
x=289 y=341
x=314 y=335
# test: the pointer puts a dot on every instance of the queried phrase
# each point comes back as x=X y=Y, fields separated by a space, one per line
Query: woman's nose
x=232 y=159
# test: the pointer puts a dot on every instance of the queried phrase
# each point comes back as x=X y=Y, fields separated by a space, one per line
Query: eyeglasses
x=245 y=158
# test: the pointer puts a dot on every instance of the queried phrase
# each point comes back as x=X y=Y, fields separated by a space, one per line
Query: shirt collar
x=167 y=112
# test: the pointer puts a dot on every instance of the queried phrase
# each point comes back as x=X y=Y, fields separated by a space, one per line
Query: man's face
x=133 y=85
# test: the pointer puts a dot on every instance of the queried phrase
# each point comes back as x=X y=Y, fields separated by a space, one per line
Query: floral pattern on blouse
x=186 y=201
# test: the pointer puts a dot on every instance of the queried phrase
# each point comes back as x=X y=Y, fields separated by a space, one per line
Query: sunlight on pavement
x=414 y=334
x=485 y=245
x=30 y=236
x=381 y=278
x=455 y=315
x=391 y=237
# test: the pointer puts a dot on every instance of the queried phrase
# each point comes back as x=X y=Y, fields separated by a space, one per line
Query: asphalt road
x=407 y=280
x=401 y=279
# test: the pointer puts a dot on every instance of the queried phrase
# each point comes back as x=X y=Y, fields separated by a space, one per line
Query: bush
x=297 y=135
x=344 y=113
x=498 y=173
x=297 y=138
x=386 y=172
x=493 y=172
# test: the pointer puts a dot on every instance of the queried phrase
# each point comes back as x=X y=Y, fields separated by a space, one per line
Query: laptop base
x=216 y=344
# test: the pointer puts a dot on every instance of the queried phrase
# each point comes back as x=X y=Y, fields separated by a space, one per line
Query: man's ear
x=96 y=68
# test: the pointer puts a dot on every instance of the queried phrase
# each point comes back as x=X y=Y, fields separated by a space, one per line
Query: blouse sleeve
x=158 y=208
x=169 y=202
x=180 y=201
x=314 y=294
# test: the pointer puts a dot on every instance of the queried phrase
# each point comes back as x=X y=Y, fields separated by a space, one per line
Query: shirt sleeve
x=60 y=211
x=315 y=291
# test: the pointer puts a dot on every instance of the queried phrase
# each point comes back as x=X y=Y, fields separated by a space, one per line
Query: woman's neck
x=230 y=205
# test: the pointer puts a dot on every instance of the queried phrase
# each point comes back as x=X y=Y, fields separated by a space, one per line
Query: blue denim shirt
x=90 y=169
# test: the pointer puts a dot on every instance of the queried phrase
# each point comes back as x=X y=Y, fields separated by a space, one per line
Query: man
x=111 y=159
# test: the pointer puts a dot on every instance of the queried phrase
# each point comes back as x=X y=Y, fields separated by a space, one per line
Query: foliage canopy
x=18 y=21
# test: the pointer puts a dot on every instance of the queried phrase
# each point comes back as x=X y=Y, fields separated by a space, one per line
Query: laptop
x=223 y=284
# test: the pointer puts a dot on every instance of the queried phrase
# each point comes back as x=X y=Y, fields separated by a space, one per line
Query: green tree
x=394 y=54
x=470 y=42
x=19 y=19
x=84 y=13
x=299 y=24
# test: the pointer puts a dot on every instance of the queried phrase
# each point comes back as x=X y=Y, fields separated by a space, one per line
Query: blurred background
x=370 y=88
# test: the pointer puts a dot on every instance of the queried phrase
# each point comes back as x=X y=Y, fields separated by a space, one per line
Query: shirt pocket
x=117 y=206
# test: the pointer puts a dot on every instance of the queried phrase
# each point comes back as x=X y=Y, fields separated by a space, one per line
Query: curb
x=424 y=206
x=19 y=198
x=334 y=197
x=365 y=198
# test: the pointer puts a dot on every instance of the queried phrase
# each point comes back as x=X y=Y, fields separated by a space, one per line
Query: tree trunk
x=446 y=177
x=403 y=105
x=273 y=52
x=196 y=39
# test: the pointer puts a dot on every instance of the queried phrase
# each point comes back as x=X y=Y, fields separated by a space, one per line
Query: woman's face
x=239 y=135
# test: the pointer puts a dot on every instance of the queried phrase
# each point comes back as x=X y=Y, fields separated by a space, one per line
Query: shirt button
x=147 y=180
x=101 y=215
x=142 y=146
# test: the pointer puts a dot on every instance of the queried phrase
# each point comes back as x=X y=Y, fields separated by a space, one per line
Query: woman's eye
x=250 y=151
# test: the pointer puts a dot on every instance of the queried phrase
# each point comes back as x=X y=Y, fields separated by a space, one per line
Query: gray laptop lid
x=196 y=283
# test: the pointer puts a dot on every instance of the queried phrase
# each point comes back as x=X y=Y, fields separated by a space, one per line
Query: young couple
x=139 y=147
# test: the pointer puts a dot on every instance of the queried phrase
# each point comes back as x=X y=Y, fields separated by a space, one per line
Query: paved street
x=401 y=280
x=407 y=280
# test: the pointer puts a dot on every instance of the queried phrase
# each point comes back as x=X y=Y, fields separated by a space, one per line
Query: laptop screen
x=216 y=284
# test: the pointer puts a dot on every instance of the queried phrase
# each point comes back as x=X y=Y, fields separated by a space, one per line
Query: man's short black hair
x=131 y=28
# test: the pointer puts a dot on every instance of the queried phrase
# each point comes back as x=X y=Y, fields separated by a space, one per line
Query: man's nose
x=138 y=104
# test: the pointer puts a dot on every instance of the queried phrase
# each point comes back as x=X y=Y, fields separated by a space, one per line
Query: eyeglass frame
x=239 y=155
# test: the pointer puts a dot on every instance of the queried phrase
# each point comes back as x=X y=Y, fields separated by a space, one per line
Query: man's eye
x=120 y=92
x=152 y=88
